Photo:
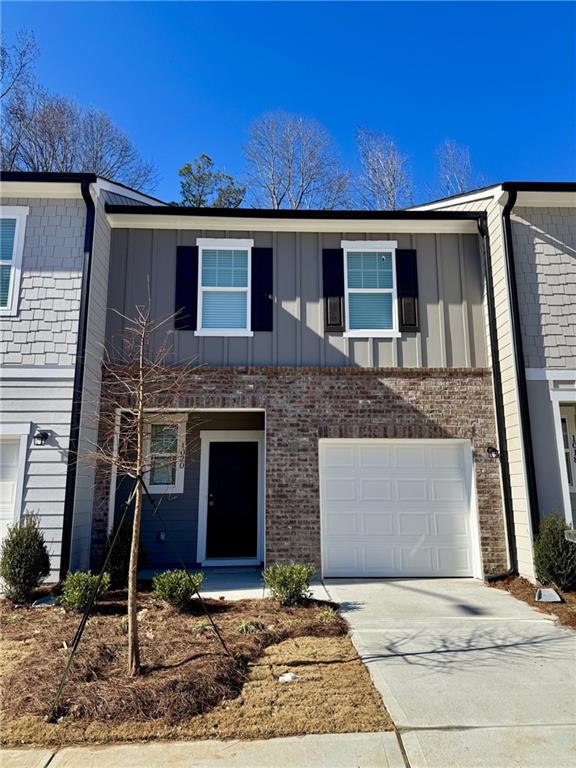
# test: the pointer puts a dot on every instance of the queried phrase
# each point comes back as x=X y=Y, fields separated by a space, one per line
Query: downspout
x=78 y=381
x=519 y=360
x=499 y=406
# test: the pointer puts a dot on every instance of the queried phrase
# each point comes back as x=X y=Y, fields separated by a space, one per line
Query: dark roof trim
x=539 y=186
x=31 y=176
x=67 y=178
x=270 y=213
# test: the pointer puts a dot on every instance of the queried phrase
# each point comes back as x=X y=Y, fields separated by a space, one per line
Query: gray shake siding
x=43 y=335
x=451 y=307
x=45 y=330
x=545 y=259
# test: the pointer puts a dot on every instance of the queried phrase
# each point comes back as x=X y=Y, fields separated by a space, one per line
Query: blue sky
x=184 y=78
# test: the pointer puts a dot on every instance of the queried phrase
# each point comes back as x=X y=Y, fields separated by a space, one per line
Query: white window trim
x=568 y=417
x=168 y=419
x=18 y=433
x=373 y=246
x=208 y=436
x=228 y=244
x=20 y=213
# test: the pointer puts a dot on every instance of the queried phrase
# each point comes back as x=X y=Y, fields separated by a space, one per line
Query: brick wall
x=305 y=404
x=545 y=256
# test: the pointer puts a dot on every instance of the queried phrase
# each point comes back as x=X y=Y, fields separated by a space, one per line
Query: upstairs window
x=12 y=225
x=370 y=288
x=224 y=287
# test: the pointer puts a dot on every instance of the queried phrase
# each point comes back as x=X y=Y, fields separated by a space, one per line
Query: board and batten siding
x=514 y=439
x=44 y=404
x=451 y=301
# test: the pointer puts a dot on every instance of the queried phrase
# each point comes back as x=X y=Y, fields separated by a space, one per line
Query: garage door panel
x=448 y=490
x=378 y=524
x=375 y=490
x=395 y=509
x=413 y=524
x=412 y=490
x=411 y=456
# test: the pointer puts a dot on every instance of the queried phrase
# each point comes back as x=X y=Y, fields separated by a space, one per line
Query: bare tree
x=16 y=63
x=455 y=168
x=43 y=132
x=292 y=163
x=138 y=379
x=385 y=181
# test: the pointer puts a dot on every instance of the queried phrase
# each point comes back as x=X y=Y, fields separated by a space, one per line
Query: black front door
x=232 y=522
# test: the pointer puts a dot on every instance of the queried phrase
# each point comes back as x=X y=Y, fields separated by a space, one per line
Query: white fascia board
x=468 y=197
x=41 y=189
x=29 y=372
x=109 y=186
x=253 y=224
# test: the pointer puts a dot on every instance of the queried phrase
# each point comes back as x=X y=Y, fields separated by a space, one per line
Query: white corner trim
x=30 y=372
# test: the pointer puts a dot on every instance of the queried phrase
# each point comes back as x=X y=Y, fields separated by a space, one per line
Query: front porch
x=209 y=491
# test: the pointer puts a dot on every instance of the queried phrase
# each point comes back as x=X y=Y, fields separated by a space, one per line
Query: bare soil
x=564 y=613
x=189 y=686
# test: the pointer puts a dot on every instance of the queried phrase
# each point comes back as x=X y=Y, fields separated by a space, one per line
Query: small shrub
x=326 y=616
x=177 y=588
x=77 y=589
x=202 y=627
x=248 y=627
x=120 y=557
x=289 y=583
x=24 y=560
x=554 y=557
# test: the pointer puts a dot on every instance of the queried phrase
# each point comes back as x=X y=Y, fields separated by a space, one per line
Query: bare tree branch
x=455 y=173
x=385 y=181
x=292 y=164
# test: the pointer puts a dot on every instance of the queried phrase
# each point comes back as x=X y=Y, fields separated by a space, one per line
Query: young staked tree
x=292 y=163
x=385 y=182
x=136 y=380
x=202 y=185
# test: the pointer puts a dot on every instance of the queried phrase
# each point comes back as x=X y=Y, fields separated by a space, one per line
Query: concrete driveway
x=471 y=676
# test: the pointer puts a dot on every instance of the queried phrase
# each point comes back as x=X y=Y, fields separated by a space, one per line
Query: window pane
x=163 y=471
x=564 y=423
x=224 y=309
x=224 y=268
x=163 y=438
x=569 y=467
x=7 y=231
x=4 y=284
x=370 y=311
x=369 y=270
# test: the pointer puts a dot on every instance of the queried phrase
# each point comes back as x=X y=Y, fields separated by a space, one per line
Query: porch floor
x=235 y=583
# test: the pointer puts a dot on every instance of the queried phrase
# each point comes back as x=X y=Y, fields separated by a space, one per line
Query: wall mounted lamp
x=41 y=438
x=492 y=452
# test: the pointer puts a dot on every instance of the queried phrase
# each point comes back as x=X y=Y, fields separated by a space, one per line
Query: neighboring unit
x=54 y=250
x=532 y=231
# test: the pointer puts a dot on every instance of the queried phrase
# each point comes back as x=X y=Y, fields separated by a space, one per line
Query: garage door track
x=472 y=677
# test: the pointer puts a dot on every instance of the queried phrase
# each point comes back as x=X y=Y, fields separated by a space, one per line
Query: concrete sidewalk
x=342 y=750
x=471 y=677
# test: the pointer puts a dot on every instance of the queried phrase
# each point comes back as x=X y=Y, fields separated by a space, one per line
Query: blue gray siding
x=451 y=294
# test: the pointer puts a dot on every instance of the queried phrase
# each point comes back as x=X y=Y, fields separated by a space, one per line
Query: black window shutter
x=262 y=295
x=407 y=287
x=186 y=299
x=333 y=283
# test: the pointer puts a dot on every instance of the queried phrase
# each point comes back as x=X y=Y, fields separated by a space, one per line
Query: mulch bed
x=565 y=612
x=189 y=686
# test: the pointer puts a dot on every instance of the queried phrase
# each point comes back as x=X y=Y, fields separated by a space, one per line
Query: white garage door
x=9 y=454
x=396 y=508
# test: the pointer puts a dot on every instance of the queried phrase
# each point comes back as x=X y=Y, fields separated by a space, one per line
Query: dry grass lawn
x=190 y=688
x=522 y=589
